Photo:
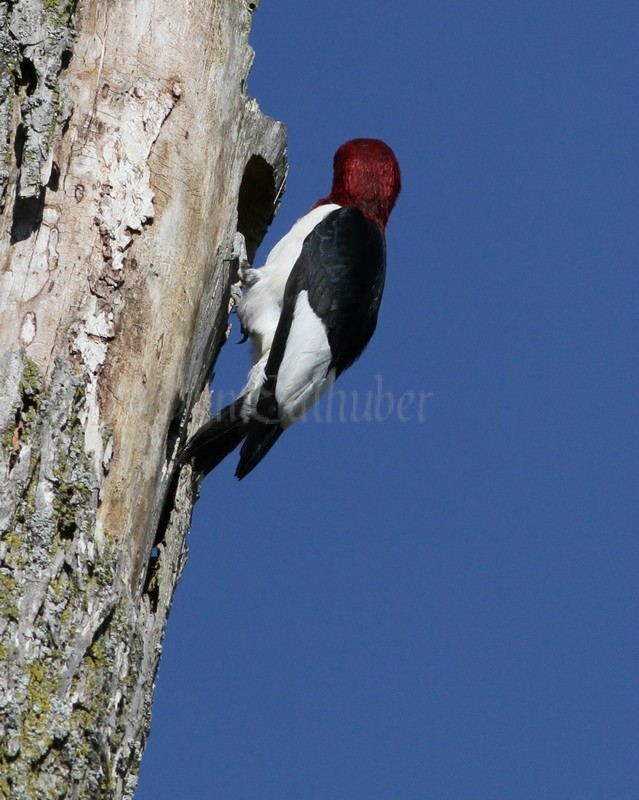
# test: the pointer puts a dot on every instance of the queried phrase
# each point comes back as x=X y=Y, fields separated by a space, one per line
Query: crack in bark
x=35 y=49
x=26 y=412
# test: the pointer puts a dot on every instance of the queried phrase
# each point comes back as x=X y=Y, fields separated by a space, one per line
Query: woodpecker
x=310 y=310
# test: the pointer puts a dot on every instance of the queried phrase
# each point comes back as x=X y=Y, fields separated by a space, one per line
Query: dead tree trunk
x=129 y=156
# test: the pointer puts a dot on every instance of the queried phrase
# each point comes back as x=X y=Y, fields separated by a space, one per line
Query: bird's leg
x=240 y=262
x=248 y=275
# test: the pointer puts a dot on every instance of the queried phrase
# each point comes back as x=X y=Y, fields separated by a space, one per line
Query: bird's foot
x=245 y=273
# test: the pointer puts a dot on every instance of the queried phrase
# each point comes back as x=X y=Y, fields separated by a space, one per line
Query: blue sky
x=443 y=607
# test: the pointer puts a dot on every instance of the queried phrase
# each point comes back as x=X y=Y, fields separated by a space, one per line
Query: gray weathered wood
x=130 y=154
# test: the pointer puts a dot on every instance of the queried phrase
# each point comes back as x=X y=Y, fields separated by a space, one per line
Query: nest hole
x=256 y=203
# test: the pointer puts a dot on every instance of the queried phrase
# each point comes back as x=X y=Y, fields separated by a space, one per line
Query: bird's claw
x=236 y=293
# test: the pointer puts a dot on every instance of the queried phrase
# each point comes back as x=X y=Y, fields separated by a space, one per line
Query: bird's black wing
x=345 y=263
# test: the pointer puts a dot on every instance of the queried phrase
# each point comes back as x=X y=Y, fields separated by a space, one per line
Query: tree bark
x=130 y=155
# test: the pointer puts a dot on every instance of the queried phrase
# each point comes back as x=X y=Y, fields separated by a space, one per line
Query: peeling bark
x=130 y=155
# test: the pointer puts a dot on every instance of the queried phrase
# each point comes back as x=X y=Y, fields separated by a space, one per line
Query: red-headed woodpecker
x=310 y=310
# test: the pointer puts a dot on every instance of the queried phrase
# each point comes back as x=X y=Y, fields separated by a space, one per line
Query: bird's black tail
x=262 y=431
x=215 y=440
x=260 y=437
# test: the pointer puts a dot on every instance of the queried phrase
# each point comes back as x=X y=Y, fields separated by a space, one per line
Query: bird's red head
x=366 y=175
